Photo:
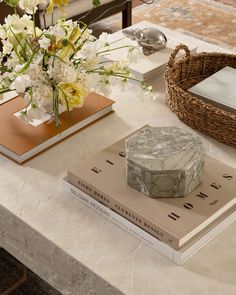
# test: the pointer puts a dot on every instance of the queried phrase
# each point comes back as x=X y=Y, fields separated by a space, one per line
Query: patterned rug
x=213 y=21
x=16 y=279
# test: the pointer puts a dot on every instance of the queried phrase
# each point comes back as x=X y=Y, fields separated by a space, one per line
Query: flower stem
x=81 y=35
x=18 y=55
x=4 y=90
x=117 y=48
x=25 y=67
x=104 y=73
x=34 y=23
x=18 y=41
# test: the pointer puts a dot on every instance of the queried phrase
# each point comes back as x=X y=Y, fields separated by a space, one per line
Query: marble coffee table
x=78 y=251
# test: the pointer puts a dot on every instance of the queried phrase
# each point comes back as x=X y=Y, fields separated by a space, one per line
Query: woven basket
x=182 y=74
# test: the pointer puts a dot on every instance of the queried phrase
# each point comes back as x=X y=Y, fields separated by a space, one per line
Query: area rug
x=213 y=21
x=16 y=279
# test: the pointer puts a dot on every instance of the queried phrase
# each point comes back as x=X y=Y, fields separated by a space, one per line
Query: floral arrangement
x=54 y=67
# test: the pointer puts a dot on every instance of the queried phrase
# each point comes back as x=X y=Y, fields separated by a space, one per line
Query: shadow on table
x=80 y=145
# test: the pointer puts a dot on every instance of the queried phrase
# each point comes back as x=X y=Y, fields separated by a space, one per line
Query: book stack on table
x=176 y=227
x=149 y=67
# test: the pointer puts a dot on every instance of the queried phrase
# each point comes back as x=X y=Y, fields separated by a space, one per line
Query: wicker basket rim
x=193 y=56
x=196 y=55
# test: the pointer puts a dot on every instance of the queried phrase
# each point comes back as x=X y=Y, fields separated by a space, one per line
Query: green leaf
x=65 y=42
x=4 y=69
x=96 y=2
x=12 y=3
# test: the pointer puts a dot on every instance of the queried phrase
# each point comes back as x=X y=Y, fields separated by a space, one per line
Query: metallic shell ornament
x=150 y=39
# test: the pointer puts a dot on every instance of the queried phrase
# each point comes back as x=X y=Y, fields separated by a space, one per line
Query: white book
x=177 y=256
x=147 y=67
x=218 y=89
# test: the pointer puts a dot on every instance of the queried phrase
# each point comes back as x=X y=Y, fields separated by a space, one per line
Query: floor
x=137 y=3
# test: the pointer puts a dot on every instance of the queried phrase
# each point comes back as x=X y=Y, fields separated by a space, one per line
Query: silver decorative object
x=164 y=161
x=150 y=39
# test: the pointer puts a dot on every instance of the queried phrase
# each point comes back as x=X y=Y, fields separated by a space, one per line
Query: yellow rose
x=58 y=3
x=72 y=95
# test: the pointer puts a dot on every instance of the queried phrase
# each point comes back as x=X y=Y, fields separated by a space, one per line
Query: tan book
x=178 y=256
x=174 y=221
x=20 y=141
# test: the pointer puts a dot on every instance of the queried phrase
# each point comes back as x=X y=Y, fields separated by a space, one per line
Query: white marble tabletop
x=78 y=251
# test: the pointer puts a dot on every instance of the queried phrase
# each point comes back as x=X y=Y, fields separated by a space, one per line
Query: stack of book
x=147 y=67
x=176 y=227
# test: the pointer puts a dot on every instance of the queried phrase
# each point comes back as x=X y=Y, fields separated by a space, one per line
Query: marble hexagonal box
x=164 y=161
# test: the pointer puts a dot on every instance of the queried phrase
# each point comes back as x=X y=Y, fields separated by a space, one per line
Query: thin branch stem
x=117 y=48
x=119 y=75
x=28 y=62
x=18 y=55
x=18 y=41
x=4 y=90
x=34 y=24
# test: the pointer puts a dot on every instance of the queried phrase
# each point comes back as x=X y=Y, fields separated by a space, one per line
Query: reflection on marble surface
x=164 y=161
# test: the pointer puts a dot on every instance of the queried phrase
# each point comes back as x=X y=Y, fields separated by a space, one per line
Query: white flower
x=116 y=67
x=104 y=38
x=15 y=38
x=62 y=72
x=18 y=24
x=57 y=31
x=27 y=19
x=134 y=54
x=44 y=42
x=88 y=51
x=7 y=47
x=30 y=6
x=72 y=60
x=20 y=83
x=37 y=32
x=3 y=33
x=12 y=61
x=91 y=62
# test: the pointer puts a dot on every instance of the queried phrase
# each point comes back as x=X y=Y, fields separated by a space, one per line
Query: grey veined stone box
x=164 y=161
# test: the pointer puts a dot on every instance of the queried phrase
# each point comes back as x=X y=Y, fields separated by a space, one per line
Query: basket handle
x=173 y=55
